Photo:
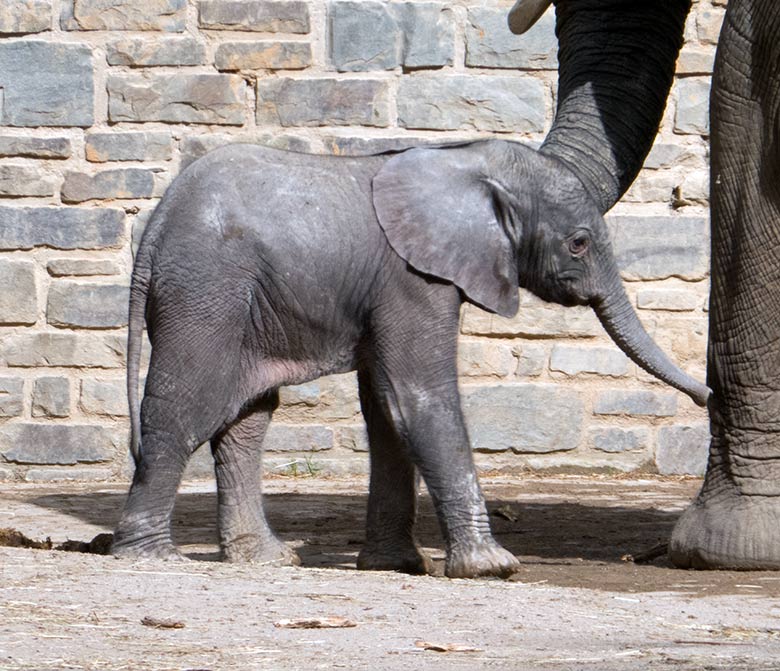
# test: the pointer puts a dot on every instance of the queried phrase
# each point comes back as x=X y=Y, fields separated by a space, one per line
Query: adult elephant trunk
x=616 y=64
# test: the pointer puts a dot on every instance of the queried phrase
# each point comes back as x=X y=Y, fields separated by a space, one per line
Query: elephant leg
x=392 y=498
x=735 y=520
x=244 y=534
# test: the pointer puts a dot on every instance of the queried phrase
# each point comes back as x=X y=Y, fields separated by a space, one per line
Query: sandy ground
x=576 y=604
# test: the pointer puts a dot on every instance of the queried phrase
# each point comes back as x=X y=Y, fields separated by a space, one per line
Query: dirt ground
x=575 y=605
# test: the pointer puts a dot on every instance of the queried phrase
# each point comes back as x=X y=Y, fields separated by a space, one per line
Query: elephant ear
x=441 y=213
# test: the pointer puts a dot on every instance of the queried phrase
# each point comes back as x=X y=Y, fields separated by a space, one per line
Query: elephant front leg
x=392 y=499
x=244 y=534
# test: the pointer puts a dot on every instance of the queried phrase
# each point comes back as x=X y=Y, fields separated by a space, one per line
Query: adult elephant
x=616 y=65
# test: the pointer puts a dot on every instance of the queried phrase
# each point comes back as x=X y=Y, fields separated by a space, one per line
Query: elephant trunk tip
x=700 y=394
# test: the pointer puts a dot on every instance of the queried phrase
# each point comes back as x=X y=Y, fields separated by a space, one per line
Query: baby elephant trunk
x=622 y=324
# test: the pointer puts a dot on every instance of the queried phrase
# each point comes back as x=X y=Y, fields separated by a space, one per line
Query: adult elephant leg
x=392 y=499
x=735 y=520
x=244 y=534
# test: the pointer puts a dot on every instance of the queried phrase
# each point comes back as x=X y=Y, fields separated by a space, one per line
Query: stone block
x=265 y=55
x=82 y=267
x=35 y=147
x=145 y=52
x=323 y=102
x=69 y=474
x=658 y=247
x=34 y=350
x=51 y=397
x=177 y=98
x=129 y=146
x=383 y=36
x=353 y=437
x=108 y=184
x=617 y=439
x=46 y=84
x=104 y=397
x=87 y=305
x=11 y=396
x=21 y=180
x=599 y=360
x=486 y=103
x=693 y=188
x=524 y=418
x=25 y=16
x=484 y=359
x=635 y=402
x=693 y=108
x=696 y=61
x=708 y=24
x=60 y=227
x=683 y=450
x=667 y=155
x=167 y=15
x=490 y=43
x=57 y=444
x=195 y=146
x=298 y=438
x=674 y=300
x=307 y=395
x=535 y=319
x=18 y=298
x=531 y=359
x=278 y=16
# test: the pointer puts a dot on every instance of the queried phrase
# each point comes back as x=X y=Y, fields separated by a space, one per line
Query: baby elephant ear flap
x=437 y=208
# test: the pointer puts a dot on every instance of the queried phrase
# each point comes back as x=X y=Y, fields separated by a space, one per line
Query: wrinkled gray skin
x=616 y=64
x=262 y=268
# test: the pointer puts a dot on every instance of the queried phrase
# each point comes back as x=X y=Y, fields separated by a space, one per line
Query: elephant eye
x=579 y=245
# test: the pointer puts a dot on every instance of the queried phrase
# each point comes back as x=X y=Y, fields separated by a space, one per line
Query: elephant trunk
x=622 y=324
x=616 y=64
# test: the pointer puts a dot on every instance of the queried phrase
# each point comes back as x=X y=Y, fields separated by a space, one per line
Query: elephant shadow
x=327 y=529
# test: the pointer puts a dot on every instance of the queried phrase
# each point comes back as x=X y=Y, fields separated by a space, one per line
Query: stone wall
x=103 y=101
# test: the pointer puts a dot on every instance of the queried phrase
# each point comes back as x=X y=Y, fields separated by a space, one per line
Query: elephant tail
x=139 y=291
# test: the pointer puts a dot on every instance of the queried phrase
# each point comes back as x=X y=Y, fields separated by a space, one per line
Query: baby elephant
x=262 y=268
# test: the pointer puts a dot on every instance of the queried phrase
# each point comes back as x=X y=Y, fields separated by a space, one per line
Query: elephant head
x=490 y=216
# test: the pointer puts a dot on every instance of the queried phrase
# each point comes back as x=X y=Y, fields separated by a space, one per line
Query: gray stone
x=428 y=34
x=657 y=247
x=334 y=397
x=531 y=359
x=68 y=475
x=35 y=147
x=490 y=43
x=488 y=103
x=104 y=397
x=255 y=15
x=177 y=98
x=599 y=360
x=25 y=16
x=81 y=267
x=263 y=56
x=144 y=52
x=683 y=450
x=130 y=146
x=667 y=155
x=323 y=102
x=307 y=394
x=353 y=437
x=195 y=146
x=18 y=298
x=51 y=397
x=60 y=227
x=635 y=402
x=524 y=418
x=298 y=438
x=693 y=110
x=59 y=444
x=108 y=184
x=46 y=84
x=674 y=300
x=167 y=15
x=477 y=358
x=21 y=180
x=87 y=305
x=11 y=396
x=364 y=36
x=617 y=439
x=696 y=61
x=32 y=350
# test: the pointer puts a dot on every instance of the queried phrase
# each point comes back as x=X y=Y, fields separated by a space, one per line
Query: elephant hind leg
x=243 y=529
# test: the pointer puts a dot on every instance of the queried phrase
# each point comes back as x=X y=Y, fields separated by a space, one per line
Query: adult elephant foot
x=484 y=559
x=269 y=551
x=411 y=560
x=728 y=531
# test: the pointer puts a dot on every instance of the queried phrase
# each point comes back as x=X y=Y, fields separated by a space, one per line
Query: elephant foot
x=485 y=558
x=144 y=549
x=732 y=531
x=265 y=550
x=412 y=560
